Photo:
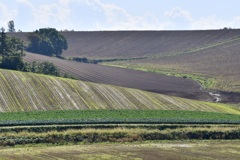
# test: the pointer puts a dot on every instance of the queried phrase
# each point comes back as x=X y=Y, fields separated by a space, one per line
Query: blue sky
x=88 y=15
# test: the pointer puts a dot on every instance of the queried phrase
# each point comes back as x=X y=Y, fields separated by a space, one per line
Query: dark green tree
x=47 y=41
x=11 y=26
x=49 y=68
x=3 y=42
x=45 y=67
x=11 y=52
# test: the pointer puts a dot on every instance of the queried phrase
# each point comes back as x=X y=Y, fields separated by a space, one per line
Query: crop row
x=31 y=92
x=115 y=117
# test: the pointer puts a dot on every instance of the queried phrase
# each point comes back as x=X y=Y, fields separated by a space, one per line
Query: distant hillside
x=29 y=92
x=217 y=60
x=212 y=54
x=128 y=44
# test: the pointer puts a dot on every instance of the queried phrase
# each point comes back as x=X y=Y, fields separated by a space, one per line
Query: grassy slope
x=30 y=92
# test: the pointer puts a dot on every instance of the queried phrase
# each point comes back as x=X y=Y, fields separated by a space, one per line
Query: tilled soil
x=129 y=44
x=168 y=85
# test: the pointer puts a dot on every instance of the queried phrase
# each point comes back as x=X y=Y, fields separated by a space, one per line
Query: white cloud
x=235 y=23
x=210 y=22
x=183 y=19
x=26 y=2
x=117 y=18
x=48 y=15
x=178 y=12
x=109 y=16
x=6 y=15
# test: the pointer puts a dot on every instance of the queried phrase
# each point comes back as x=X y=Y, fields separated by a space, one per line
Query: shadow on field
x=230 y=97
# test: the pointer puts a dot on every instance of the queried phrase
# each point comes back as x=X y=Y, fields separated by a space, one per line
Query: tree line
x=46 y=41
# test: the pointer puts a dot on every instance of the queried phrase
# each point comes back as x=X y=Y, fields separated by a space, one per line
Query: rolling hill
x=129 y=44
x=211 y=54
x=218 y=61
x=33 y=92
x=127 y=78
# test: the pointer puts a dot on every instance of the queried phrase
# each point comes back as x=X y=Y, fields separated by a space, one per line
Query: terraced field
x=30 y=92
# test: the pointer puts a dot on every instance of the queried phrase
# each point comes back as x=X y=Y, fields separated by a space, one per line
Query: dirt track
x=127 y=78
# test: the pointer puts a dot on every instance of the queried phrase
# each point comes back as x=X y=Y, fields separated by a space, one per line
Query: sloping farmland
x=31 y=92
x=130 y=44
x=127 y=78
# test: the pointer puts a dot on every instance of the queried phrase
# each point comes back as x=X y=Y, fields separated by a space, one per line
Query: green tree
x=49 y=68
x=11 y=52
x=45 y=67
x=47 y=41
x=3 y=42
x=11 y=26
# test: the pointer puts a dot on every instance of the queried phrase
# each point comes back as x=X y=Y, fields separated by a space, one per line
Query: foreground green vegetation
x=115 y=117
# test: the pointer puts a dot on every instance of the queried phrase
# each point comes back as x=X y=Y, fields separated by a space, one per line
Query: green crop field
x=115 y=117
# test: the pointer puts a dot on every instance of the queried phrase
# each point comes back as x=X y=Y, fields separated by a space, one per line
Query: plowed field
x=128 y=78
x=128 y=44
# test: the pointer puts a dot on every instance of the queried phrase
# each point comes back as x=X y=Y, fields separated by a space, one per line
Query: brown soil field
x=218 y=61
x=174 y=86
x=129 y=44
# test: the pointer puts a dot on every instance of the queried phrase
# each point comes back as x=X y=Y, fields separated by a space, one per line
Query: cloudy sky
x=88 y=15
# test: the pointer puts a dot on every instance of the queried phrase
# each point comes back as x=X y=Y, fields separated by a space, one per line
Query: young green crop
x=115 y=116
